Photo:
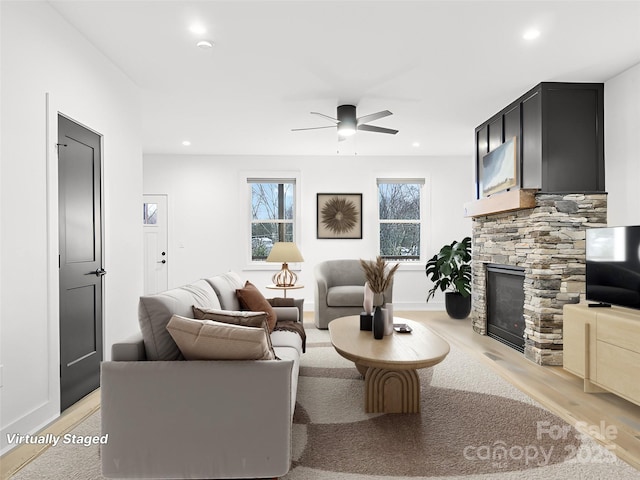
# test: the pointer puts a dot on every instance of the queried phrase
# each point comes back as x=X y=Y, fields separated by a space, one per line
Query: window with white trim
x=400 y=218
x=273 y=213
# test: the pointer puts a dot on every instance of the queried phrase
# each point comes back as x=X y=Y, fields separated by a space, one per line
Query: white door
x=156 y=255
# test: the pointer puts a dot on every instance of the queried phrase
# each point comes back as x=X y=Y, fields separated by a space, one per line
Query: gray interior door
x=80 y=261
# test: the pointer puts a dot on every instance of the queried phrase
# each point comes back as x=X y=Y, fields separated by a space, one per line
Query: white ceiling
x=441 y=67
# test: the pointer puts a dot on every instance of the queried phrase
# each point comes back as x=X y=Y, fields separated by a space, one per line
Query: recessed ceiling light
x=205 y=44
x=197 y=29
x=415 y=144
x=531 y=34
x=186 y=143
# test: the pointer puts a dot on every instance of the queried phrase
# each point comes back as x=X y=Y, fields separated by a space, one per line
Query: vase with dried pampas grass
x=379 y=277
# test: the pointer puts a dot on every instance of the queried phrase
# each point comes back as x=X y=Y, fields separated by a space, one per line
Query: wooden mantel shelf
x=501 y=202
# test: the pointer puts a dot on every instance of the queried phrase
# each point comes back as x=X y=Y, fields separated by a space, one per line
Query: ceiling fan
x=347 y=123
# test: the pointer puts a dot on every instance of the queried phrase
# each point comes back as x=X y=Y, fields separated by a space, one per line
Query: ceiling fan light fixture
x=348 y=122
x=346 y=130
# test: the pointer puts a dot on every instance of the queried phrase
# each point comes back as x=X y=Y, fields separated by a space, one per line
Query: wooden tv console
x=602 y=346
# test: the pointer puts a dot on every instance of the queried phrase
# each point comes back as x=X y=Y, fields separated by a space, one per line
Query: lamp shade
x=285 y=252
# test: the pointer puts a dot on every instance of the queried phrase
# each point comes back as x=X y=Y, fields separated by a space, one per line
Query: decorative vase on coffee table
x=366 y=317
x=368 y=299
x=388 y=319
x=366 y=321
x=378 y=323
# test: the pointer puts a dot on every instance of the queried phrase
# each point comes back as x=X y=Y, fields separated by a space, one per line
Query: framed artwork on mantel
x=339 y=215
x=499 y=168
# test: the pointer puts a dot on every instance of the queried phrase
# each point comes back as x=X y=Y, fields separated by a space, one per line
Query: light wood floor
x=552 y=387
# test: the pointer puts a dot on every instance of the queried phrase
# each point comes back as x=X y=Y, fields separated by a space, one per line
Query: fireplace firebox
x=505 y=304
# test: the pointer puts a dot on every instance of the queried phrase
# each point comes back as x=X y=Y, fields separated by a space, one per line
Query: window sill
x=410 y=266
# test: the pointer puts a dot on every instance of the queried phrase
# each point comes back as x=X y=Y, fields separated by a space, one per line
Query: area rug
x=472 y=425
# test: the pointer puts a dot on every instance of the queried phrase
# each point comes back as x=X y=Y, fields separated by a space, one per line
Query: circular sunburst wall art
x=339 y=215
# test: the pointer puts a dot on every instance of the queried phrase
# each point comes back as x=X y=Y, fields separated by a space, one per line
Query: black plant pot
x=457 y=306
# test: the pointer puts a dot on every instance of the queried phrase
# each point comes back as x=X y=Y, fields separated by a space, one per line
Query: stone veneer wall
x=548 y=241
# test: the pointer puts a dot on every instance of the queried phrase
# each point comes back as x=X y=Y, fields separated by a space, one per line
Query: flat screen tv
x=498 y=168
x=613 y=266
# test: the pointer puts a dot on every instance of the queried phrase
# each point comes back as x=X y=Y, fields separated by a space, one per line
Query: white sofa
x=171 y=418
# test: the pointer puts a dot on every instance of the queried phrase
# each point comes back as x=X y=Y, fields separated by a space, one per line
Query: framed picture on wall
x=339 y=215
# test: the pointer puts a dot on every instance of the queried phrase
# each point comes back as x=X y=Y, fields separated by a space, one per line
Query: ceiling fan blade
x=371 y=128
x=312 y=128
x=334 y=120
x=373 y=116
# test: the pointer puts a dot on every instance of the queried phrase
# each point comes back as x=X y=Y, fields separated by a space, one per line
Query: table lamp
x=285 y=252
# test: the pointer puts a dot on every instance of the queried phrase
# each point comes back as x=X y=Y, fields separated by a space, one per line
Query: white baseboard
x=31 y=423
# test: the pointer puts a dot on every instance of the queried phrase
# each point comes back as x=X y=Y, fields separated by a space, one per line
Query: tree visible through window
x=399 y=218
x=272 y=215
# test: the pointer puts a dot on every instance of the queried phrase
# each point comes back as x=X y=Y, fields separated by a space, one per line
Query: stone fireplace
x=548 y=242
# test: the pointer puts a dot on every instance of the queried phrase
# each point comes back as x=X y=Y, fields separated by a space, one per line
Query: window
x=150 y=213
x=272 y=214
x=399 y=207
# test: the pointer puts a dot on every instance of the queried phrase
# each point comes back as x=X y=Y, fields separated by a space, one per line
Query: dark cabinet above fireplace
x=559 y=136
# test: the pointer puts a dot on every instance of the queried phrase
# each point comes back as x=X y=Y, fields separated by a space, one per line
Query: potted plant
x=450 y=271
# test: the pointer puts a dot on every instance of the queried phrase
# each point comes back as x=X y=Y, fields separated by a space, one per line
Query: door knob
x=163 y=261
x=99 y=272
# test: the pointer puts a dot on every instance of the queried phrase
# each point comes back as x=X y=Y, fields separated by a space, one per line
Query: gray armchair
x=340 y=290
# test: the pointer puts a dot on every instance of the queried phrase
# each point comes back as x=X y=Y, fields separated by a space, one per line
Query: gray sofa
x=170 y=418
x=340 y=290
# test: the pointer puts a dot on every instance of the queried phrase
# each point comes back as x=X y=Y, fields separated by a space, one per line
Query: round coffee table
x=389 y=365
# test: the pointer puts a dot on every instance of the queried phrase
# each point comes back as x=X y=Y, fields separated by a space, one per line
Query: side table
x=284 y=289
x=297 y=302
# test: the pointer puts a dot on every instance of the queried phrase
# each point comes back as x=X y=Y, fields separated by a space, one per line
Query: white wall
x=622 y=148
x=48 y=67
x=207 y=223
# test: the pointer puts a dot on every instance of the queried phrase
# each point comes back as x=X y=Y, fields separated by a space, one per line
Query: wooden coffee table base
x=389 y=365
x=390 y=391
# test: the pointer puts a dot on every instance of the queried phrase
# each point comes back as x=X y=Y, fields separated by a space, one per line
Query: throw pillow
x=247 y=319
x=251 y=299
x=209 y=340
